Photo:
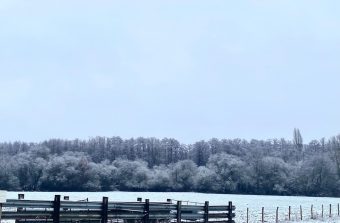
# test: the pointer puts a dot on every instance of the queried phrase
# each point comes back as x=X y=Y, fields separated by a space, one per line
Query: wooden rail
x=56 y=211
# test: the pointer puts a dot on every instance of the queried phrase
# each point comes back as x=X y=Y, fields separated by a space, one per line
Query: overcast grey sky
x=184 y=69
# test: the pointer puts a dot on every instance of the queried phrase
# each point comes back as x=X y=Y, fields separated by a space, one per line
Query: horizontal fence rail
x=56 y=211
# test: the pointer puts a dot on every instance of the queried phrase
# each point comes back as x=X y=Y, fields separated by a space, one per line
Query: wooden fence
x=33 y=211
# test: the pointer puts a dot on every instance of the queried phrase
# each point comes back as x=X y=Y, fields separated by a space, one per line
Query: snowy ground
x=242 y=202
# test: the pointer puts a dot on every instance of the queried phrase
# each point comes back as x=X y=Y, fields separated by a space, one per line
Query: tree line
x=273 y=167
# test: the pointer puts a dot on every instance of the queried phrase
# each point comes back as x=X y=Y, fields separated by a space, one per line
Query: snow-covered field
x=242 y=202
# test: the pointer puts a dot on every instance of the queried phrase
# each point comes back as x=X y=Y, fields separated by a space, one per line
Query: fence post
x=2 y=200
x=330 y=210
x=300 y=213
x=230 y=212
x=338 y=210
x=289 y=213
x=206 y=212
x=262 y=214
x=277 y=215
x=0 y=211
x=66 y=198
x=20 y=197
x=179 y=211
x=322 y=211
x=311 y=211
x=146 y=211
x=247 y=215
x=56 y=209
x=105 y=207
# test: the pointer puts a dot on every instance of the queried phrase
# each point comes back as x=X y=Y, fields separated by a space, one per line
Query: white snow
x=242 y=202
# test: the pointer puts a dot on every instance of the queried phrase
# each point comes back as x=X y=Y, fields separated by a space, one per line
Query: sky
x=190 y=70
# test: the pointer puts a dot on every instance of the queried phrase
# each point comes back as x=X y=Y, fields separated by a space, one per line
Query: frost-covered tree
x=297 y=138
x=132 y=175
x=160 y=179
x=201 y=152
x=207 y=180
x=274 y=166
x=316 y=176
x=229 y=169
x=182 y=175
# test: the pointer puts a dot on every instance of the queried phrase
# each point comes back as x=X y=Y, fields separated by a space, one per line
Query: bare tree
x=335 y=148
x=297 y=139
x=298 y=143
